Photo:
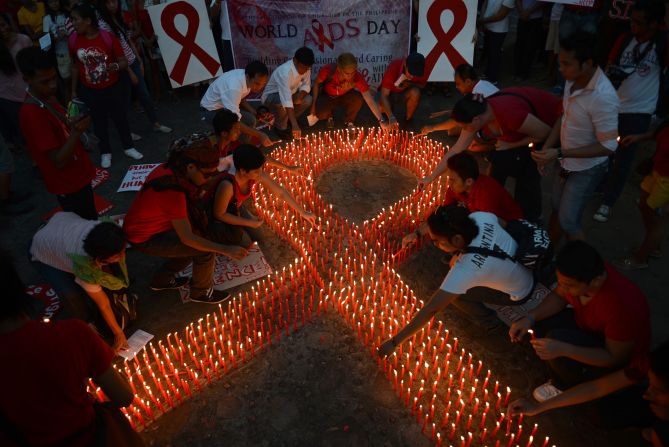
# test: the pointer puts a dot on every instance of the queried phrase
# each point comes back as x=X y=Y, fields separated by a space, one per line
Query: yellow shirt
x=32 y=20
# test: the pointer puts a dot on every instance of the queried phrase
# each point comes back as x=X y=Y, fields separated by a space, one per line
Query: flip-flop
x=630 y=264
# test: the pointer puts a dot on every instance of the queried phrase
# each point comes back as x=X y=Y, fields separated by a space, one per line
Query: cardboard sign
x=229 y=273
x=136 y=176
x=374 y=31
x=101 y=176
x=48 y=297
x=136 y=343
x=186 y=41
x=446 y=29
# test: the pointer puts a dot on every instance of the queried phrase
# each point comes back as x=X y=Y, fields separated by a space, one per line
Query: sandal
x=630 y=264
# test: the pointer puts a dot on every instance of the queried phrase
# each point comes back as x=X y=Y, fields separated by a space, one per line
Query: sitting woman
x=81 y=258
x=231 y=190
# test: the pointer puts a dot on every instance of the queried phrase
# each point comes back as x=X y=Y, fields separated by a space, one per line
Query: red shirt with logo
x=511 y=110
x=45 y=366
x=337 y=87
x=93 y=56
x=619 y=311
x=45 y=133
x=393 y=72
x=489 y=196
x=152 y=212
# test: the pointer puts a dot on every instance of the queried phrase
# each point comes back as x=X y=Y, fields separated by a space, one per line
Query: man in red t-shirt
x=607 y=328
x=406 y=77
x=52 y=140
x=45 y=369
x=343 y=86
x=466 y=187
x=511 y=119
x=159 y=223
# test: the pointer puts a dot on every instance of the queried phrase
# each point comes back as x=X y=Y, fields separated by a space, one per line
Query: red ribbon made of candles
x=444 y=39
x=187 y=41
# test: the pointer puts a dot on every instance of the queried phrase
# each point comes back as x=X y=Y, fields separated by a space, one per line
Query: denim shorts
x=571 y=191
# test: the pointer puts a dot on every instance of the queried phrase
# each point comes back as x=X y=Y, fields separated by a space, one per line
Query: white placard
x=135 y=344
x=186 y=41
x=136 y=176
x=587 y=3
x=446 y=29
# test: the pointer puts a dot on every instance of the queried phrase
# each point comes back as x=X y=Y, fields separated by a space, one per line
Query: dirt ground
x=318 y=386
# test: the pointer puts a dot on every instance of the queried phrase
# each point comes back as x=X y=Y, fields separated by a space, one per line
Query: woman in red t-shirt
x=344 y=87
x=654 y=199
x=98 y=59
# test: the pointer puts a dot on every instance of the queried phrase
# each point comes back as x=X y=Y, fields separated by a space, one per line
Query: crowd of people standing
x=592 y=330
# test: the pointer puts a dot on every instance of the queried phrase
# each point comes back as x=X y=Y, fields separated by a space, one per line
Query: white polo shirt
x=638 y=93
x=491 y=8
x=590 y=116
x=226 y=92
x=286 y=81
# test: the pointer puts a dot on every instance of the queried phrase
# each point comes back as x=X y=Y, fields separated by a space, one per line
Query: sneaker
x=176 y=283
x=330 y=124
x=133 y=153
x=135 y=137
x=602 y=214
x=546 y=391
x=349 y=125
x=105 y=161
x=212 y=296
x=163 y=129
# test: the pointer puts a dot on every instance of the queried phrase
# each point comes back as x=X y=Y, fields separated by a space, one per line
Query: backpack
x=534 y=251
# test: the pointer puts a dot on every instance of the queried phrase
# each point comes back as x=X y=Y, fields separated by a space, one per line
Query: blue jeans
x=571 y=191
x=142 y=93
x=623 y=158
x=572 y=21
x=75 y=301
x=273 y=103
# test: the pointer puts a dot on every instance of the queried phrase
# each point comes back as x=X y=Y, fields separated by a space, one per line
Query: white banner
x=136 y=176
x=375 y=31
x=587 y=3
x=186 y=41
x=446 y=30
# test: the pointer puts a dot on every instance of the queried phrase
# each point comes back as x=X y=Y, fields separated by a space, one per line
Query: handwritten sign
x=136 y=176
x=229 y=273
x=48 y=297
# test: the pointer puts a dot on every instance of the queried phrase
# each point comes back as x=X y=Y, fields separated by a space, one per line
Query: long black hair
x=7 y=65
x=86 y=11
x=53 y=14
x=115 y=21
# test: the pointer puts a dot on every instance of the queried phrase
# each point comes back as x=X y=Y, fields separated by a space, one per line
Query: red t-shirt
x=336 y=87
x=229 y=148
x=45 y=366
x=92 y=57
x=661 y=158
x=489 y=196
x=393 y=72
x=619 y=311
x=45 y=133
x=511 y=111
x=152 y=212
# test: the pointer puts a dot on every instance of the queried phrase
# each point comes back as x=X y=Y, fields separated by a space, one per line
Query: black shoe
x=175 y=283
x=284 y=134
x=212 y=296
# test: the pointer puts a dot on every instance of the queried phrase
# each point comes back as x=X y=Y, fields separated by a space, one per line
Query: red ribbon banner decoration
x=319 y=30
x=444 y=39
x=187 y=41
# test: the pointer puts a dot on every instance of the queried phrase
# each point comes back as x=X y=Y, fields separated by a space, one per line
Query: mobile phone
x=77 y=109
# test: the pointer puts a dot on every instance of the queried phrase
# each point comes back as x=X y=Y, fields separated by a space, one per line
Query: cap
x=197 y=147
x=415 y=63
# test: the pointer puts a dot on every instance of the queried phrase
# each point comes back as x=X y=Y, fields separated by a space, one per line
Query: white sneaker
x=602 y=214
x=105 y=161
x=135 y=137
x=132 y=153
x=163 y=129
x=546 y=391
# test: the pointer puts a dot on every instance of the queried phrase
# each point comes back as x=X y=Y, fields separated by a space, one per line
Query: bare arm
x=373 y=106
x=102 y=301
x=554 y=135
x=613 y=354
x=534 y=128
x=115 y=387
x=285 y=195
x=187 y=237
x=246 y=106
x=315 y=91
x=464 y=140
x=385 y=103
